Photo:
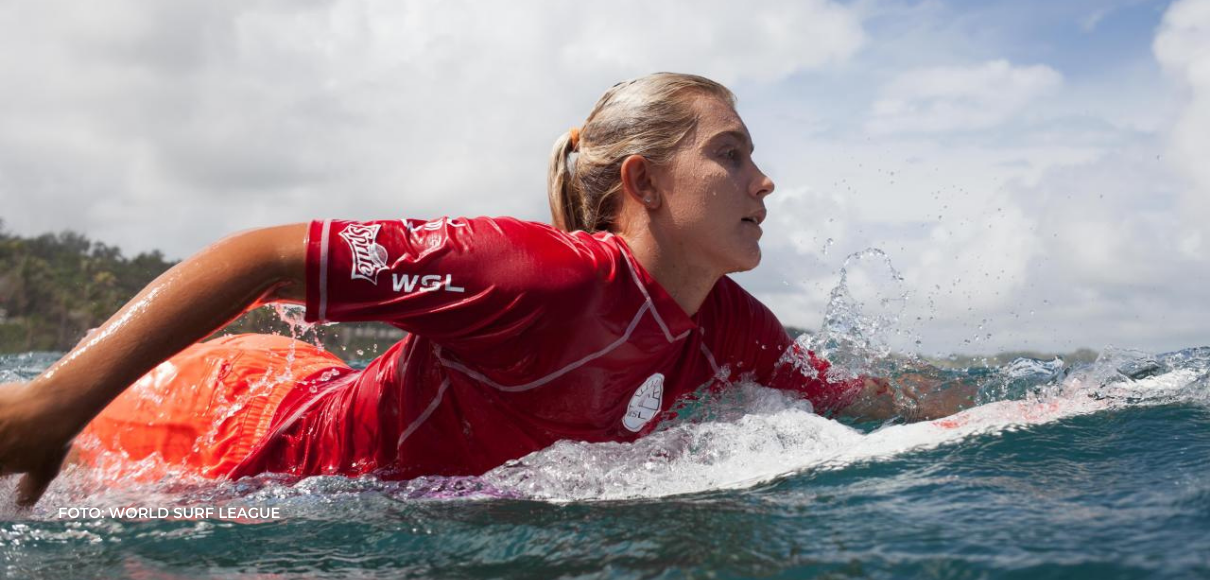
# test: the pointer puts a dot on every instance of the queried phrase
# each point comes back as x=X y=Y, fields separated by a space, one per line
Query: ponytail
x=566 y=209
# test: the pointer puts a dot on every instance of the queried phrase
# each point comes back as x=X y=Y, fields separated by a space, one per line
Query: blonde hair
x=646 y=116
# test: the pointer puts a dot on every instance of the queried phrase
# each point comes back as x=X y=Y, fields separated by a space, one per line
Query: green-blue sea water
x=1097 y=471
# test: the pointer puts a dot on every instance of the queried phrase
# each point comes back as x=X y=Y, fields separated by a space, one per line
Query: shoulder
x=536 y=257
x=741 y=330
x=729 y=302
x=550 y=252
x=543 y=240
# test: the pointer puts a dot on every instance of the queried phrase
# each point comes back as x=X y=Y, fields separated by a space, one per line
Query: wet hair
x=645 y=116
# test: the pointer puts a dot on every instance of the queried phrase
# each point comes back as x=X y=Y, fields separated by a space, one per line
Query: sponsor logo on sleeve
x=644 y=403
x=405 y=283
x=369 y=258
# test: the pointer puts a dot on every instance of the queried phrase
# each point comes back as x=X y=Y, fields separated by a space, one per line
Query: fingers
x=34 y=484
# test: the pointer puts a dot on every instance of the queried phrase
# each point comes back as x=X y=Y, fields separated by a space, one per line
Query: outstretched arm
x=912 y=397
x=38 y=419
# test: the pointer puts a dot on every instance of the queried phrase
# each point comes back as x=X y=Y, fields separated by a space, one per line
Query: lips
x=756 y=218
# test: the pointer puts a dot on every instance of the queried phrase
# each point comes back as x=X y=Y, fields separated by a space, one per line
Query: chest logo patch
x=644 y=403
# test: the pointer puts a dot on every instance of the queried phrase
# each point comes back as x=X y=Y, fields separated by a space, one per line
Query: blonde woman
x=520 y=334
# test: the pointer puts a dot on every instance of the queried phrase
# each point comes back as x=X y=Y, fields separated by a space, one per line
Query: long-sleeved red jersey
x=520 y=335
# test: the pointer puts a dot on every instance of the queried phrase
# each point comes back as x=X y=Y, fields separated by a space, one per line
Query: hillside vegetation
x=54 y=288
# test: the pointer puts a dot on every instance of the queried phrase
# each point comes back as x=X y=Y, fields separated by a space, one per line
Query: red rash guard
x=520 y=335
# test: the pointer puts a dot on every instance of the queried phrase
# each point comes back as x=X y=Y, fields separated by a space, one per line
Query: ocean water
x=1099 y=471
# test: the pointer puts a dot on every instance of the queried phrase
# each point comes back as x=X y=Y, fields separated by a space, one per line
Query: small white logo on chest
x=645 y=403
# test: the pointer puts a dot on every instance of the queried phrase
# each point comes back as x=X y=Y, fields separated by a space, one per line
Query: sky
x=988 y=175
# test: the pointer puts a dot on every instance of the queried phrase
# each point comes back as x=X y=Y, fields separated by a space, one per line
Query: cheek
x=703 y=205
x=709 y=220
x=690 y=210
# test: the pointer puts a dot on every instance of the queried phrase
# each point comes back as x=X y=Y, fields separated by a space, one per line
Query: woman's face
x=715 y=193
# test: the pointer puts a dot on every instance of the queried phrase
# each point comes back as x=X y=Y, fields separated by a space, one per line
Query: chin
x=754 y=263
x=747 y=262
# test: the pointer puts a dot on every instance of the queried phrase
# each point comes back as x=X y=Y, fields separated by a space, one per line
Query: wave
x=746 y=436
x=772 y=435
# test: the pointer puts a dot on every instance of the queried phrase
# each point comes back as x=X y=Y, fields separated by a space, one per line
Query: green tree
x=54 y=288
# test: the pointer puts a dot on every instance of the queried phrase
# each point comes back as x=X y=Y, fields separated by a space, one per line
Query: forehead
x=717 y=119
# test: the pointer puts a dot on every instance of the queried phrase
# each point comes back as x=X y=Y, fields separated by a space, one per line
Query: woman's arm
x=920 y=398
x=38 y=419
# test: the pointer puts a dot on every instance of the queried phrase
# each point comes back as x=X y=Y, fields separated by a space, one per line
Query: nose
x=762 y=186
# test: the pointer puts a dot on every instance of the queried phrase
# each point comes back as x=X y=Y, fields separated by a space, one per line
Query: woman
x=521 y=334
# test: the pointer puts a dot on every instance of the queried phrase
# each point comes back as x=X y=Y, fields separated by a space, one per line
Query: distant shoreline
x=54 y=288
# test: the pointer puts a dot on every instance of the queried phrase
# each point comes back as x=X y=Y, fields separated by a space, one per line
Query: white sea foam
x=776 y=436
x=752 y=436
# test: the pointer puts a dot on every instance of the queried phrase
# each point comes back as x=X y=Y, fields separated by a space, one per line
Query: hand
x=913 y=397
x=876 y=402
x=933 y=398
x=34 y=440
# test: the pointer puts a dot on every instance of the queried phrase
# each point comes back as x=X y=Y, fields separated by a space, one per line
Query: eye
x=731 y=154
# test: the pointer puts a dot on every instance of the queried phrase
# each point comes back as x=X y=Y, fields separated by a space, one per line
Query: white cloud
x=1089 y=23
x=1182 y=47
x=768 y=43
x=997 y=189
x=959 y=98
x=1053 y=232
x=1024 y=210
x=167 y=125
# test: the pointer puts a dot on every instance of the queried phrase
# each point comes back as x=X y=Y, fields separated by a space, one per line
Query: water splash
x=747 y=436
x=294 y=316
x=1020 y=378
x=863 y=310
x=768 y=435
x=25 y=366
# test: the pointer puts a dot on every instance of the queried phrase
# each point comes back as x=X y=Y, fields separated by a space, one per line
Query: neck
x=670 y=265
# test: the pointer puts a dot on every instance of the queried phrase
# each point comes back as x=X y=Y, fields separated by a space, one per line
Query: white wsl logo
x=369 y=258
x=645 y=403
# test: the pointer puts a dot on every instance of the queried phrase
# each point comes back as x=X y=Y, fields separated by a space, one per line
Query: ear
x=638 y=181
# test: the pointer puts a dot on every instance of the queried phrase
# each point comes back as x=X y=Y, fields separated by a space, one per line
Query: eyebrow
x=738 y=136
